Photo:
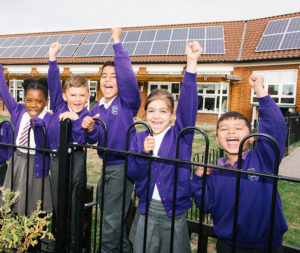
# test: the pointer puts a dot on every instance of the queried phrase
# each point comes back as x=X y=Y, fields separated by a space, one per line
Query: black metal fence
x=198 y=222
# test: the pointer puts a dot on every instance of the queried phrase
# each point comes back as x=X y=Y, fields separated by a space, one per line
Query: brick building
x=233 y=50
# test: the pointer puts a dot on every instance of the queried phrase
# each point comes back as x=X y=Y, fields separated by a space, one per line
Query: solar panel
x=31 y=52
x=177 y=48
x=19 y=52
x=132 y=36
x=160 y=48
x=104 y=37
x=8 y=53
x=52 y=39
x=9 y=42
x=2 y=49
x=291 y=41
x=91 y=38
x=214 y=47
x=270 y=42
x=2 y=41
x=180 y=34
x=163 y=34
x=280 y=34
x=276 y=26
x=109 y=51
x=41 y=40
x=64 y=39
x=76 y=38
x=42 y=52
x=143 y=48
x=30 y=40
x=196 y=33
x=129 y=47
x=97 y=50
x=18 y=41
x=294 y=25
x=83 y=50
x=214 y=32
x=148 y=35
x=67 y=51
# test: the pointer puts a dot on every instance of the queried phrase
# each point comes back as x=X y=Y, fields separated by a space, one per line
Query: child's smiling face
x=158 y=115
x=76 y=97
x=230 y=133
x=35 y=102
x=108 y=83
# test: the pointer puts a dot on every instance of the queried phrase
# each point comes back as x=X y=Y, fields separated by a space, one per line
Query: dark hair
x=40 y=84
x=108 y=63
x=75 y=81
x=234 y=115
x=160 y=94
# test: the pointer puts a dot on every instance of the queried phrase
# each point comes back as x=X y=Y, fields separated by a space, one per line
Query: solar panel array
x=136 y=42
x=155 y=42
x=280 y=34
x=38 y=46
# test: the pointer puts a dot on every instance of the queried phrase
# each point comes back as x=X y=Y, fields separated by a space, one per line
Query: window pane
x=287 y=100
x=209 y=104
x=224 y=104
x=200 y=90
x=287 y=89
x=164 y=87
x=11 y=84
x=275 y=100
x=200 y=102
x=175 y=87
x=153 y=87
x=19 y=85
x=273 y=89
x=210 y=89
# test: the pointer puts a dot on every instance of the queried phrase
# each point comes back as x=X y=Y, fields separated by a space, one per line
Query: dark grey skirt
x=34 y=190
x=159 y=231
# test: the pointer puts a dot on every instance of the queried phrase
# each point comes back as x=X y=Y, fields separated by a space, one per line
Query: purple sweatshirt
x=162 y=173
x=16 y=111
x=5 y=137
x=59 y=105
x=255 y=191
x=119 y=115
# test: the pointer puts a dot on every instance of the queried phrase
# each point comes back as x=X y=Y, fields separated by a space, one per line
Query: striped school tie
x=24 y=135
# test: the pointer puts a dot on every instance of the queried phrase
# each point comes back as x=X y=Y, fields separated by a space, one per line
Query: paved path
x=290 y=165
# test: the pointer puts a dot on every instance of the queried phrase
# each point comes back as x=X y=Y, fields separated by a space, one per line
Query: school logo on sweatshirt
x=114 y=110
x=252 y=178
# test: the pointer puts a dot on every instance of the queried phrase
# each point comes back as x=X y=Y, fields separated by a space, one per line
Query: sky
x=30 y=16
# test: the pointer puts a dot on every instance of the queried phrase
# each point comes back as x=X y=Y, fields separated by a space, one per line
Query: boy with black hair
x=255 y=191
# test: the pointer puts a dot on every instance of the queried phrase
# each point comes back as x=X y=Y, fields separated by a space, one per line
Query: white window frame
x=93 y=86
x=14 y=89
x=267 y=74
x=218 y=96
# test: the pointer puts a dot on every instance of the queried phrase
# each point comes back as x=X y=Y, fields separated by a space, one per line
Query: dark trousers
x=225 y=248
x=112 y=208
x=78 y=182
x=3 y=169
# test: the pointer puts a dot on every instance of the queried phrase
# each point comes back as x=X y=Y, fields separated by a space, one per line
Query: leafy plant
x=21 y=232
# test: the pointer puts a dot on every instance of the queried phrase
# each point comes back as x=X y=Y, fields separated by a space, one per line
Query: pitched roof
x=241 y=39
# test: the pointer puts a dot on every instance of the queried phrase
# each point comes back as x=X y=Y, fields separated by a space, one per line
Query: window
x=16 y=90
x=174 y=88
x=280 y=85
x=93 y=93
x=210 y=95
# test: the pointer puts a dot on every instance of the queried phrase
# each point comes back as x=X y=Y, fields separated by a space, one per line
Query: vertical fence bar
x=63 y=186
x=102 y=191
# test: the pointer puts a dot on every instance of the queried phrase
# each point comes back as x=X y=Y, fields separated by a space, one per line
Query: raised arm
x=271 y=122
x=126 y=80
x=188 y=100
x=54 y=83
x=7 y=98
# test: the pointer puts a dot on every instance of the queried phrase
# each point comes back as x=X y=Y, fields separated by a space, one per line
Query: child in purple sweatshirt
x=159 y=108
x=255 y=191
x=119 y=105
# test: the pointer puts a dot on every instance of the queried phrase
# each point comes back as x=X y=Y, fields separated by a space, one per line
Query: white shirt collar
x=103 y=102
x=158 y=139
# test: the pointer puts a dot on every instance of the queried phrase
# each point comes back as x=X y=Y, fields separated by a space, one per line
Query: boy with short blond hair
x=255 y=198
